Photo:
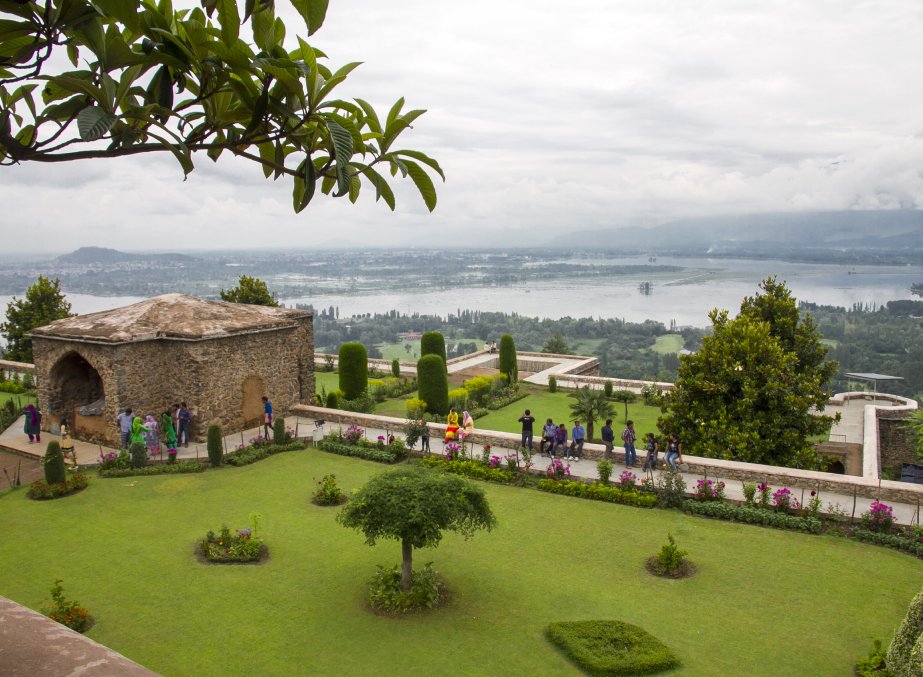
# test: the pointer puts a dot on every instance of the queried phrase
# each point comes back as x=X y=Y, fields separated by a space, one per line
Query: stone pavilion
x=219 y=357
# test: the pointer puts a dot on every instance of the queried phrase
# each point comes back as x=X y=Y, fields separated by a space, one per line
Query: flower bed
x=598 y=492
x=243 y=546
x=753 y=515
x=67 y=612
x=472 y=469
x=156 y=469
x=351 y=442
x=40 y=490
x=257 y=452
x=327 y=492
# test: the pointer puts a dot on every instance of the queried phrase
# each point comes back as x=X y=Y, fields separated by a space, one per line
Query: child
x=650 y=463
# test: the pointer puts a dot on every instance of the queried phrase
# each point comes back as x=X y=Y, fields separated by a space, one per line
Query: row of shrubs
x=753 y=515
x=15 y=386
x=470 y=468
x=257 y=452
x=352 y=442
x=598 y=492
x=180 y=467
x=42 y=490
x=910 y=544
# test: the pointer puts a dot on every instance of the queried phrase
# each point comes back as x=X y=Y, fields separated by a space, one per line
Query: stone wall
x=895 y=441
x=208 y=374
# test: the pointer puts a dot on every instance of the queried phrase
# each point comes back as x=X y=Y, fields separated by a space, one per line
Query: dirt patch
x=29 y=469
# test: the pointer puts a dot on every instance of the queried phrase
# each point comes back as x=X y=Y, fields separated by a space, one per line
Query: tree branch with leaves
x=149 y=78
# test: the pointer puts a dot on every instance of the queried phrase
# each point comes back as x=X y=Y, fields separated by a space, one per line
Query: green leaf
x=93 y=122
x=313 y=12
x=342 y=142
x=394 y=112
x=423 y=183
x=371 y=116
x=382 y=189
x=229 y=20
x=422 y=157
x=264 y=30
x=305 y=185
x=268 y=156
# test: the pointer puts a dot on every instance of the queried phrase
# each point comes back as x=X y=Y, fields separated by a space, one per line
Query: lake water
x=685 y=297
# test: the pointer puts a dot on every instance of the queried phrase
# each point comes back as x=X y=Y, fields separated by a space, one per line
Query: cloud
x=549 y=118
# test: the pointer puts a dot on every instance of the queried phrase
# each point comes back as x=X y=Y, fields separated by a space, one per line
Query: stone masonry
x=219 y=357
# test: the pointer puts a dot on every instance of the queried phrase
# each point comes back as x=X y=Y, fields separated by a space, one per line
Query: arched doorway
x=75 y=385
x=251 y=405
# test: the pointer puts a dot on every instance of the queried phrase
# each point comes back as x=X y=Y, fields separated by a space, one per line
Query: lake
x=685 y=297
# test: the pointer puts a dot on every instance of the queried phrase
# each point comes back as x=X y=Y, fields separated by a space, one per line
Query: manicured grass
x=556 y=406
x=391 y=350
x=763 y=602
x=19 y=400
x=585 y=346
x=668 y=343
x=330 y=380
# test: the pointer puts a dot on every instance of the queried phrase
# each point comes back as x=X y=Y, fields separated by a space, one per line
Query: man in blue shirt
x=267 y=416
x=577 y=435
x=124 y=419
x=628 y=437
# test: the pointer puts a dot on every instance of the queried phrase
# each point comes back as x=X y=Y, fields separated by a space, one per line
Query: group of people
x=171 y=428
x=454 y=433
x=554 y=439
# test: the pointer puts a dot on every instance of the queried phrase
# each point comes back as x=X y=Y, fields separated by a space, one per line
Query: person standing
x=578 y=435
x=424 y=436
x=166 y=429
x=183 y=417
x=527 y=419
x=628 y=437
x=548 y=432
x=608 y=437
x=124 y=419
x=267 y=417
x=674 y=451
x=152 y=436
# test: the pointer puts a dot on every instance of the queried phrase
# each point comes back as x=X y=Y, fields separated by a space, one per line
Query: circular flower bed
x=241 y=547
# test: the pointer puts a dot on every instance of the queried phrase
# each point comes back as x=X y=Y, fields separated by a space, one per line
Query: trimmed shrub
x=900 y=659
x=597 y=492
x=458 y=398
x=214 y=446
x=415 y=408
x=385 y=594
x=607 y=388
x=473 y=469
x=332 y=402
x=552 y=384
x=508 y=357
x=433 y=384
x=751 y=515
x=611 y=648
x=396 y=368
x=54 y=463
x=354 y=370
x=252 y=454
x=385 y=455
x=176 y=468
x=40 y=490
x=279 y=433
x=433 y=343
x=138 y=453
x=478 y=388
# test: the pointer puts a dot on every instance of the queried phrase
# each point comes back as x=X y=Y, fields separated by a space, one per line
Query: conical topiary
x=54 y=463
x=138 y=453
x=213 y=445
x=279 y=433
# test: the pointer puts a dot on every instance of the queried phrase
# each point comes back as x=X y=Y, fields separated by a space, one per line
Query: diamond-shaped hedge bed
x=612 y=648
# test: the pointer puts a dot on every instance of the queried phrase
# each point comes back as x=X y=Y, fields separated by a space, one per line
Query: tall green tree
x=250 y=290
x=415 y=506
x=146 y=78
x=433 y=384
x=43 y=303
x=353 y=369
x=591 y=405
x=750 y=392
x=557 y=345
x=507 y=360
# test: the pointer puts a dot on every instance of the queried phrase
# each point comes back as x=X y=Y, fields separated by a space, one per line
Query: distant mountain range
x=803 y=235
x=103 y=255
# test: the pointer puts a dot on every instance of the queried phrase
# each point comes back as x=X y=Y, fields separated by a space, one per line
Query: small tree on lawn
x=433 y=384
x=591 y=406
x=626 y=397
x=354 y=370
x=508 y=357
x=395 y=368
x=415 y=506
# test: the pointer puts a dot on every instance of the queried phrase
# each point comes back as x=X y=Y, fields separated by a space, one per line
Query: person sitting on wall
x=451 y=429
x=467 y=426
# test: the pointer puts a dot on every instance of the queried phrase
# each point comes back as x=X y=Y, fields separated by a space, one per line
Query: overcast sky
x=549 y=117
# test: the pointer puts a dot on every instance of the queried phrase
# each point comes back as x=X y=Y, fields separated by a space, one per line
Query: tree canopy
x=250 y=290
x=149 y=78
x=415 y=506
x=749 y=392
x=43 y=303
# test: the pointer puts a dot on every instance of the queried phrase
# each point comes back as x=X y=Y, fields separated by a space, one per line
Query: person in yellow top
x=67 y=445
x=451 y=429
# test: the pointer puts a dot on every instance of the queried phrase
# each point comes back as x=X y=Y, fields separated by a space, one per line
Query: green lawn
x=543 y=405
x=19 y=400
x=330 y=380
x=764 y=602
x=668 y=343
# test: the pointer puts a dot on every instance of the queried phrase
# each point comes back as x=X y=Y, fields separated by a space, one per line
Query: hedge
x=909 y=545
x=597 y=492
x=473 y=469
x=433 y=343
x=250 y=455
x=54 y=464
x=368 y=453
x=433 y=384
x=752 y=515
x=611 y=648
x=508 y=357
x=177 y=468
x=40 y=490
